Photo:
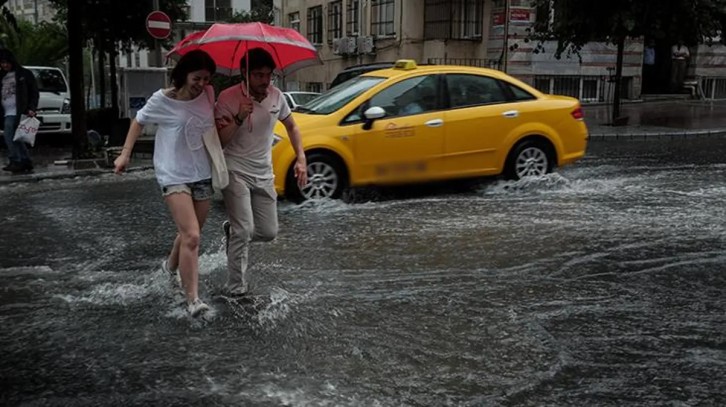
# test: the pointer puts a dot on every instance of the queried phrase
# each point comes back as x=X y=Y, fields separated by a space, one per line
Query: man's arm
x=301 y=166
x=33 y=94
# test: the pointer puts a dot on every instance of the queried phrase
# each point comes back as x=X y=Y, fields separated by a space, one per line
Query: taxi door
x=407 y=144
x=479 y=119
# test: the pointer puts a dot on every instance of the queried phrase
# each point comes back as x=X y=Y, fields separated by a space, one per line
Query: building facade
x=472 y=32
x=35 y=11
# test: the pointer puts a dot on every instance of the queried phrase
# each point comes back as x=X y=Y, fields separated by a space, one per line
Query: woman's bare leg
x=184 y=214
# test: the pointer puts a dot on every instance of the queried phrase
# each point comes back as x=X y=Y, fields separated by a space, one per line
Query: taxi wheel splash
x=530 y=158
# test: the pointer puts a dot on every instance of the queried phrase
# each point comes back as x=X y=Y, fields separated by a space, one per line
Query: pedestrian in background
x=679 y=64
x=648 y=66
x=246 y=123
x=19 y=97
x=183 y=113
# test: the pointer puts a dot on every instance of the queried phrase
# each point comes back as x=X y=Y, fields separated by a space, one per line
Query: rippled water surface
x=601 y=284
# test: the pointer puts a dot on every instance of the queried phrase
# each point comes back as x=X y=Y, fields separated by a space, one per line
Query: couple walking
x=183 y=169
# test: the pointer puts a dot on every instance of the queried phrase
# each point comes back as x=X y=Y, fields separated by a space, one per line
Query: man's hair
x=7 y=56
x=259 y=58
x=191 y=61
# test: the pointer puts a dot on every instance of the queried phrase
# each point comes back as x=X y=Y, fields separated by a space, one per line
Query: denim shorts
x=200 y=190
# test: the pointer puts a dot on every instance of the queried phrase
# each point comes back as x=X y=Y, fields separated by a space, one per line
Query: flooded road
x=601 y=284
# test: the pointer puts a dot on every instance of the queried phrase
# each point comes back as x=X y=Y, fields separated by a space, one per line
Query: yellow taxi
x=412 y=123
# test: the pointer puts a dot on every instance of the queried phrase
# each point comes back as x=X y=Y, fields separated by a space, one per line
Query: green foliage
x=45 y=44
x=261 y=11
x=577 y=22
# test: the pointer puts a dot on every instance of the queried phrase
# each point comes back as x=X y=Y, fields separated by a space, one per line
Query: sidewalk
x=56 y=163
x=664 y=119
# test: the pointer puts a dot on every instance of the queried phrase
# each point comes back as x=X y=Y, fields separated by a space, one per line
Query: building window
x=314 y=87
x=335 y=20
x=382 y=17
x=457 y=20
x=315 y=25
x=217 y=10
x=294 y=21
x=352 y=20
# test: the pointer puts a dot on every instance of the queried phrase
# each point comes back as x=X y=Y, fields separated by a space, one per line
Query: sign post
x=158 y=24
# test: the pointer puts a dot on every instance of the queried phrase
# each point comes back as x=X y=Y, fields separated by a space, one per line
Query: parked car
x=412 y=123
x=297 y=98
x=54 y=103
x=355 y=70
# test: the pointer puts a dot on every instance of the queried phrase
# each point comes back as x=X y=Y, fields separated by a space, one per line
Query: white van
x=54 y=103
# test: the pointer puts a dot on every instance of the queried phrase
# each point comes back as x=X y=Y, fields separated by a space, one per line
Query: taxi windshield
x=340 y=95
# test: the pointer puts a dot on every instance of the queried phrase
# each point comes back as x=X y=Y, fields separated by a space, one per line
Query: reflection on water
x=599 y=285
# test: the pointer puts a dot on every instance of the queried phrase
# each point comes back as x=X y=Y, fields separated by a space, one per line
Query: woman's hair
x=259 y=58
x=191 y=61
x=7 y=56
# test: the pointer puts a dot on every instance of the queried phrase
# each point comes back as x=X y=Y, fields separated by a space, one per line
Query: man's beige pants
x=251 y=205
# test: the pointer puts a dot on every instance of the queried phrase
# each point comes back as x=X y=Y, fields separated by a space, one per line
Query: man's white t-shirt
x=250 y=151
x=8 y=94
x=179 y=153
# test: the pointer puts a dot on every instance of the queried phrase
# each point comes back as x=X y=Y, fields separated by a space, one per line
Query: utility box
x=136 y=85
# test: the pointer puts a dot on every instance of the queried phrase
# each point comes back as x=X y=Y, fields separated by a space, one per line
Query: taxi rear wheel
x=530 y=158
x=327 y=179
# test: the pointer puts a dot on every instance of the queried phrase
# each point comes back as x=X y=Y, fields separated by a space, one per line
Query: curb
x=657 y=135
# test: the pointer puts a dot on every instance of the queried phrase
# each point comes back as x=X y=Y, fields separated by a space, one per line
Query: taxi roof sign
x=405 y=64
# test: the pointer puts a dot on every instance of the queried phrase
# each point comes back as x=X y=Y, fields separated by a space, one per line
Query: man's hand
x=301 y=171
x=245 y=108
x=31 y=113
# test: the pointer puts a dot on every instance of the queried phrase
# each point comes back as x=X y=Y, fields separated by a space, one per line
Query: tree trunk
x=102 y=73
x=114 y=82
x=75 y=63
x=616 y=119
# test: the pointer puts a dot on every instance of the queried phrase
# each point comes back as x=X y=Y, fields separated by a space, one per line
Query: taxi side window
x=408 y=97
x=473 y=90
x=520 y=94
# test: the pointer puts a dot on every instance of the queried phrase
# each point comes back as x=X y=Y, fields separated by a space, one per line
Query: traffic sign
x=158 y=24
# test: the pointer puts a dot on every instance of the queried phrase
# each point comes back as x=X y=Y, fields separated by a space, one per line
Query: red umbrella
x=227 y=43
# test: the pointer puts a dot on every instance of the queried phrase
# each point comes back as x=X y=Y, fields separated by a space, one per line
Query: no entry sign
x=158 y=24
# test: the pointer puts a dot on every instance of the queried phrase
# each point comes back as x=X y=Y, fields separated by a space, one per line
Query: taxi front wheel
x=326 y=179
x=530 y=158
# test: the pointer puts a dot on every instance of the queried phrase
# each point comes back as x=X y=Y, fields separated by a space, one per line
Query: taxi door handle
x=511 y=114
x=435 y=123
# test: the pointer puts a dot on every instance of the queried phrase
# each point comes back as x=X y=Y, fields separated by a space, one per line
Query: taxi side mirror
x=372 y=114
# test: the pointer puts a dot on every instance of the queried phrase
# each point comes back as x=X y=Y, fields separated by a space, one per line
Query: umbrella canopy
x=227 y=43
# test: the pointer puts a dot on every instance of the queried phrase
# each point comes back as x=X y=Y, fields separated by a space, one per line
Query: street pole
x=505 y=45
x=157 y=43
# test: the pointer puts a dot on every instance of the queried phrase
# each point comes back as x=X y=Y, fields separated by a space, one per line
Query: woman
x=19 y=97
x=183 y=170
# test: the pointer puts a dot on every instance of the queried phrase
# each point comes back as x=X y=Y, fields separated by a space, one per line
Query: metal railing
x=584 y=88
x=713 y=87
x=478 y=62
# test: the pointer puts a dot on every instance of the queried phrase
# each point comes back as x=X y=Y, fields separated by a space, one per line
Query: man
x=246 y=123
x=19 y=97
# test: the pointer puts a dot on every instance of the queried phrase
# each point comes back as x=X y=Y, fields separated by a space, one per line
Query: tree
x=8 y=25
x=261 y=11
x=574 y=23
x=45 y=44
